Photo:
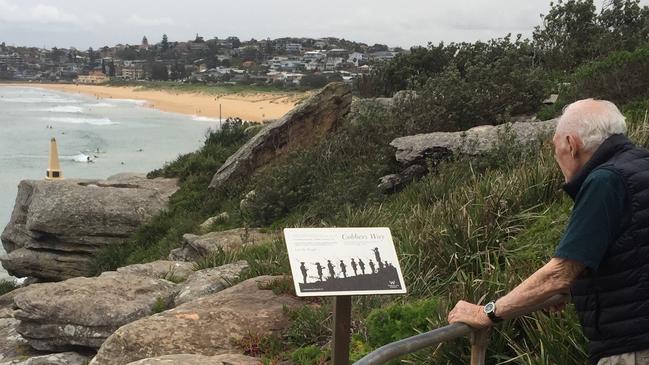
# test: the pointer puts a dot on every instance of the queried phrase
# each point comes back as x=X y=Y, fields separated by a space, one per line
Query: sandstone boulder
x=12 y=345
x=186 y=359
x=175 y=271
x=475 y=141
x=57 y=226
x=207 y=326
x=195 y=247
x=209 y=281
x=85 y=311
x=304 y=125
x=206 y=226
x=63 y=358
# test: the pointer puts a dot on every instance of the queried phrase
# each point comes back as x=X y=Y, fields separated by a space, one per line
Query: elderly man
x=603 y=257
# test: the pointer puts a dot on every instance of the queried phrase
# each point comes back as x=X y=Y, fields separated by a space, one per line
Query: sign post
x=343 y=262
x=341 y=332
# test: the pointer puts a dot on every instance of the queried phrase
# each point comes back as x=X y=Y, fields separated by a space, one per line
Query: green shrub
x=280 y=286
x=310 y=355
x=484 y=84
x=621 y=77
x=159 y=306
x=6 y=286
x=399 y=321
x=264 y=259
x=349 y=163
x=310 y=325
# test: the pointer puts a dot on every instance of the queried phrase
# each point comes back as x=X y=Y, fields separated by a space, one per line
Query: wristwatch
x=490 y=311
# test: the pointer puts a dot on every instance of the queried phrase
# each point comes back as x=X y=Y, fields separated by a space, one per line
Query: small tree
x=165 y=43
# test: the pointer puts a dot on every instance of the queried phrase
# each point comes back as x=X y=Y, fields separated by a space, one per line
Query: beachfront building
x=357 y=58
x=293 y=48
x=133 y=70
x=94 y=77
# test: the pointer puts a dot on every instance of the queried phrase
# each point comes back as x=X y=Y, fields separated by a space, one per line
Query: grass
x=210 y=89
x=6 y=286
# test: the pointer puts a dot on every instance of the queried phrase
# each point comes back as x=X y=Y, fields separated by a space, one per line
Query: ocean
x=117 y=136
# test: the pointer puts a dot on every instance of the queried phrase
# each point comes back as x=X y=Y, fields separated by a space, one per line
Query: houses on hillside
x=280 y=61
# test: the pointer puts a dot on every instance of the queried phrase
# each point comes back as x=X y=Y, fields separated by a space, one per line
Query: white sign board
x=343 y=261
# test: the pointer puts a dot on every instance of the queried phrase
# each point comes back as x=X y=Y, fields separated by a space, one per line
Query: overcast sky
x=93 y=23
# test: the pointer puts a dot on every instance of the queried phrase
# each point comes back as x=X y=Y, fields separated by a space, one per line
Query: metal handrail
x=415 y=343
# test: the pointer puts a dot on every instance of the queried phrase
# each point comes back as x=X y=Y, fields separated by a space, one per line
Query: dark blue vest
x=613 y=302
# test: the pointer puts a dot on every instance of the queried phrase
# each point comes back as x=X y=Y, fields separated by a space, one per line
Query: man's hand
x=557 y=308
x=469 y=314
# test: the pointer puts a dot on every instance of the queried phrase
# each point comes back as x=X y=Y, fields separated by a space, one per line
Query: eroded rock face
x=208 y=326
x=186 y=359
x=475 y=141
x=57 y=226
x=64 y=358
x=169 y=270
x=85 y=311
x=209 y=281
x=196 y=247
x=12 y=345
x=302 y=126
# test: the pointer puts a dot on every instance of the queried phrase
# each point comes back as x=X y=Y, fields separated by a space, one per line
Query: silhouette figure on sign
x=378 y=257
x=332 y=273
x=343 y=268
x=380 y=275
x=354 y=267
x=304 y=270
x=319 y=268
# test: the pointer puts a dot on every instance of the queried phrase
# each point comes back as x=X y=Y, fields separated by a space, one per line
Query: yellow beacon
x=54 y=167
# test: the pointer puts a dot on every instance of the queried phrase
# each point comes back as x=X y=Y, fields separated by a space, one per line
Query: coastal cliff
x=57 y=227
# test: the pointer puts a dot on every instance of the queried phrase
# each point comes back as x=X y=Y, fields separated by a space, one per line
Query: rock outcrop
x=302 y=126
x=63 y=358
x=475 y=141
x=85 y=311
x=57 y=226
x=175 y=271
x=416 y=153
x=208 y=326
x=186 y=359
x=209 y=281
x=195 y=247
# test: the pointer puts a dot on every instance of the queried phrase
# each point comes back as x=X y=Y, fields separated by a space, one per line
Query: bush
x=399 y=321
x=484 y=84
x=310 y=355
x=6 y=286
x=621 y=77
x=349 y=163
x=310 y=325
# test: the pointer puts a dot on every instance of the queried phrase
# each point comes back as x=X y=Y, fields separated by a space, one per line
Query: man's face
x=565 y=152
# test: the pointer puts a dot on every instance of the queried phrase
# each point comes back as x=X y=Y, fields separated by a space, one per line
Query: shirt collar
x=609 y=148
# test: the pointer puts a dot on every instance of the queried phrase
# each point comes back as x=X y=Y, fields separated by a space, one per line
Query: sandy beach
x=248 y=106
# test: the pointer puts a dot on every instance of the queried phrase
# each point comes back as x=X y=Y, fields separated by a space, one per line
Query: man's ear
x=574 y=145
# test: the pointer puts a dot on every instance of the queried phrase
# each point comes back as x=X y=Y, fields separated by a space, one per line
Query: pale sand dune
x=254 y=106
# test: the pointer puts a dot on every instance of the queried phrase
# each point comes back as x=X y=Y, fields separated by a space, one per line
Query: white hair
x=593 y=121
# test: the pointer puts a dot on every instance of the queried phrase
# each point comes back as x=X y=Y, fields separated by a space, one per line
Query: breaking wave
x=71 y=120
x=65 y=109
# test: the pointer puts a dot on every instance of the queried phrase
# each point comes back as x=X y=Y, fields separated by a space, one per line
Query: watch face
x=489 y=307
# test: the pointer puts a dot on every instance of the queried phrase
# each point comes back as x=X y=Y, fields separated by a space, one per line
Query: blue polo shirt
x=596 y=219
